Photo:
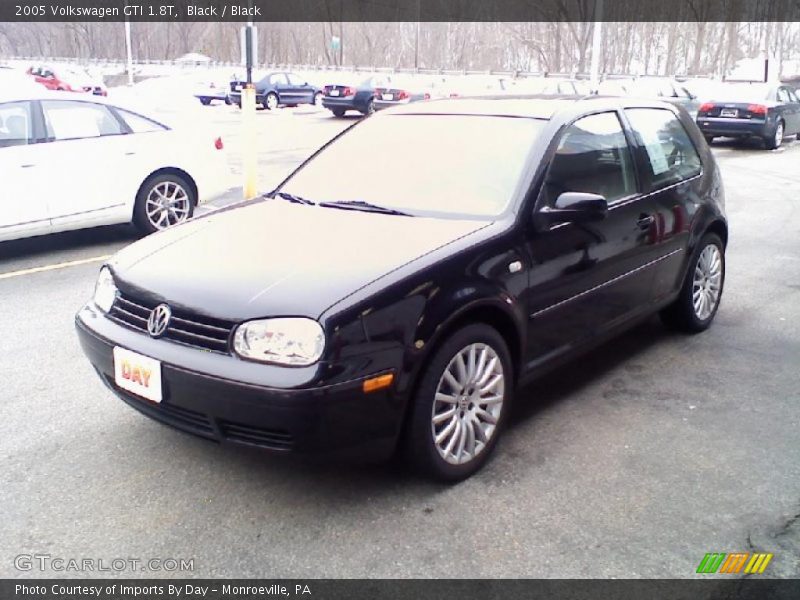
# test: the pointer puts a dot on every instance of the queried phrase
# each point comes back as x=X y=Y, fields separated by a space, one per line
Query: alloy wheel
x=272 y=102
x=707 y=282
x=468 y=402
x=779 y=135
x=167 y=204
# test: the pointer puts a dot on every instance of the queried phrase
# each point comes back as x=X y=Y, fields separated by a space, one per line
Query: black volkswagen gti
x=399 y=285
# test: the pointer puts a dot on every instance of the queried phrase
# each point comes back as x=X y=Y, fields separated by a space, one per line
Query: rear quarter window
x=669 y=153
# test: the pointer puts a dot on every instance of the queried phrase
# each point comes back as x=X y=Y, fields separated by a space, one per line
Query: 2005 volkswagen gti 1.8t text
x=399 y=285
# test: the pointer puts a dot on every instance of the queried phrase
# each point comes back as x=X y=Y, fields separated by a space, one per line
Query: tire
x=370 y=109
x=148 y=200
x=683 y=314
x=709 y=139
x=228 y=101
x=271 y=101
x=205 y=101
x=777 y=139
x=318 y=99
x=421 y=448
x=338 y=112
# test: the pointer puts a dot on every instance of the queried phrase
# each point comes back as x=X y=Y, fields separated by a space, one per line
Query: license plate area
x=334 y=92
x=729 y=112
x=387 y=97
x=138 y=374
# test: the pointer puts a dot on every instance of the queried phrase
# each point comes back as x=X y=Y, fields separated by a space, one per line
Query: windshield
x=433 y=165
x=743 y=92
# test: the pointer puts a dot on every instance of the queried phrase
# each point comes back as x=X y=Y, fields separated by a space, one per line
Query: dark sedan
x=340 y=98
x=369 y=304
x=742 y=110
x=278 y=89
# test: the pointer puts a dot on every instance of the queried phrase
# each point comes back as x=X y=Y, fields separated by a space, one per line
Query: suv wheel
x=461 y=404
x=698 y=301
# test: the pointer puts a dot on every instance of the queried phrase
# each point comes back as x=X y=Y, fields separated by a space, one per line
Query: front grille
x=246 y=434
x=184 y=328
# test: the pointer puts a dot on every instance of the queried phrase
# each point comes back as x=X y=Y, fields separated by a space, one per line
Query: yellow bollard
x=249 y=158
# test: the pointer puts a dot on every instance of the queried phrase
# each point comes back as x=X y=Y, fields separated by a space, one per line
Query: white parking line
x=64 y=265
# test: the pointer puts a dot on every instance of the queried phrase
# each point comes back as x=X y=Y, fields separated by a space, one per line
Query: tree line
x=655 y=48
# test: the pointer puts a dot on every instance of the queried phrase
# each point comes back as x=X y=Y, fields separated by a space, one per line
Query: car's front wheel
x=163 y=201
x=699 y=298
x=461 y=404
x=271 y=101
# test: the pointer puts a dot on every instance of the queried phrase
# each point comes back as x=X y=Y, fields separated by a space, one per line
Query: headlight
x=105 y=292
x=295 y=342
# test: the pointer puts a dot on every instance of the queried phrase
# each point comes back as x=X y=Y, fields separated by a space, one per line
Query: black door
x=586 y=277
x=670 y=171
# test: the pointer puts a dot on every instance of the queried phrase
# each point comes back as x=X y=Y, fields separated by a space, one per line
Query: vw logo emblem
x=159 y=320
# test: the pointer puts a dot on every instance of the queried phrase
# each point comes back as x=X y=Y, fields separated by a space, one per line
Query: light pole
x=597 y=44
x=129 y=52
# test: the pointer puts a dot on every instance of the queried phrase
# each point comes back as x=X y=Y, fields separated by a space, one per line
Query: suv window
x=15 y=124
x=593 y=156
x=671 y=155
x=67 y=120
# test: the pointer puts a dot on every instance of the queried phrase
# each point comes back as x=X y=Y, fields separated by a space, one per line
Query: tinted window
x=592 y=156
x=67 y=120
x=278 y=79
x=783 y=95
x=438 y=165
x=15 y=124
x=138 y=123
x=793 y=96
x=670 y=153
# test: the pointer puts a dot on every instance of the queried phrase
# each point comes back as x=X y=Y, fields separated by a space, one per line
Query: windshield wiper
x=364 y=206
x=292 y=198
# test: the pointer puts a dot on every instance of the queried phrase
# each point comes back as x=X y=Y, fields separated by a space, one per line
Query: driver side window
x=593 y=156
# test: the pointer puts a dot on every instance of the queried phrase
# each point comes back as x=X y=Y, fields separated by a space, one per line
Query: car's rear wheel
x=699 y=298
x=271 y=101
x=163 y=201
x=318 y=99
x=370 y=109
x=777 y=139
x=461 y=404
x=338 y=113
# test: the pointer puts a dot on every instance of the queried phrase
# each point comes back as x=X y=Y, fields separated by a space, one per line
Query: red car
x=67 y=80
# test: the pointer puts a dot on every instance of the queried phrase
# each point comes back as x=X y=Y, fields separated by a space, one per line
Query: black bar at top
x=400 y=10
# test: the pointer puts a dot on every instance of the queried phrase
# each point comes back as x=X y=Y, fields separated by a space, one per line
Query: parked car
x=548 y=86
x=67 y=79
x=71 y=161
x=660 y=88
x=741 y=110
x=279 y=89
x=404 y=90
x=360 y=96
x=397 y=303
x=208 y=91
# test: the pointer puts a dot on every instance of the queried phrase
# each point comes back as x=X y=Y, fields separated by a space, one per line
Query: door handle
x=645 y=221
x=28 y=166
x=130 y=153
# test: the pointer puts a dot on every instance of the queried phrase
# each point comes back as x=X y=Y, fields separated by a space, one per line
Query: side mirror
x=576 y=207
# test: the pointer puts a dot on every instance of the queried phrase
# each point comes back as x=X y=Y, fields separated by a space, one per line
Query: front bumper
x=335 y=420
x=728 y=127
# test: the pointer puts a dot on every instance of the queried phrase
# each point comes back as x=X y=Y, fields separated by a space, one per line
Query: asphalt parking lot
x=634 y=461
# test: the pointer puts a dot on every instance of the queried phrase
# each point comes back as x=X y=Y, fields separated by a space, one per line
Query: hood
x=273 y=258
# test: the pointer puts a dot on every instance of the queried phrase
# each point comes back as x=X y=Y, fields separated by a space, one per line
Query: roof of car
x=524 y=106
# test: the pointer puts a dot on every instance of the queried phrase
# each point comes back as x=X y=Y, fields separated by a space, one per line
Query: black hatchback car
x=369 y=304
